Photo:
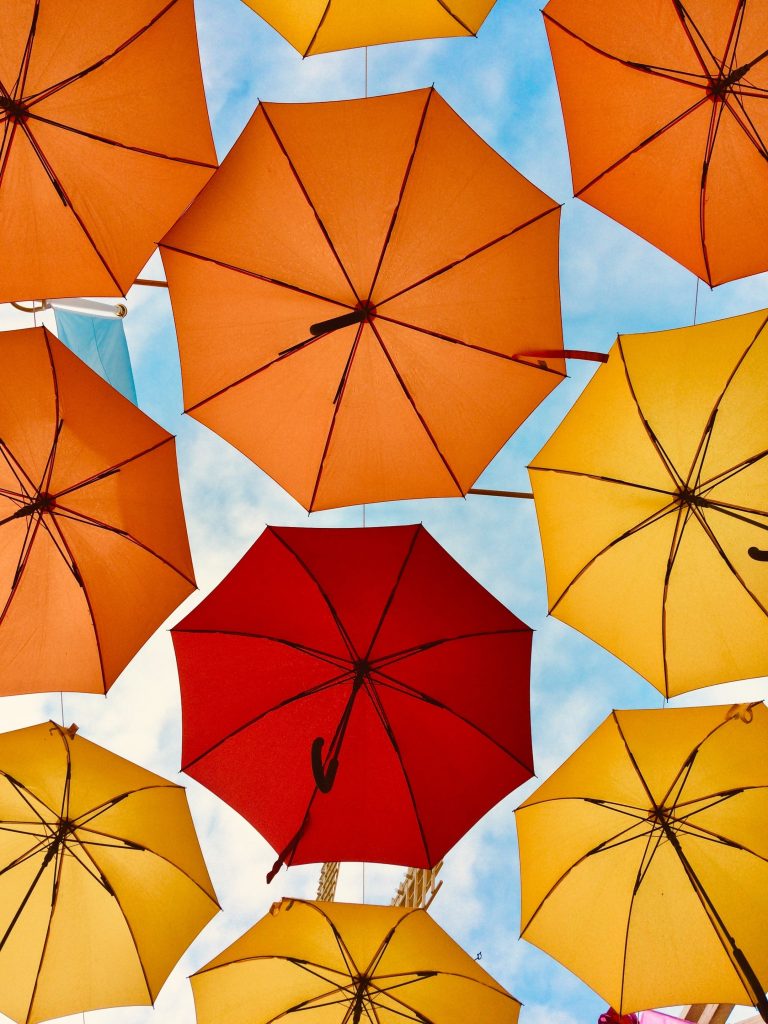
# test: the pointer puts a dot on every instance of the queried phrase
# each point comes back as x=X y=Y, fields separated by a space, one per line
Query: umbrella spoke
x=24 y=480
x=312 y=206
x=386 y=660
x=734 y=572
x=715 y=118
x=457 y=262
x=58 y=86
x=21 y=78
x=604 y=479
x=390 y=682
x=391 y=596
x=409 y=396
x=683 y=515
x=121 y=145
x=439 y=336
x=398 y=204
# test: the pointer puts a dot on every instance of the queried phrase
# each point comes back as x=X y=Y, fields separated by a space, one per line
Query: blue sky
x=503 y=85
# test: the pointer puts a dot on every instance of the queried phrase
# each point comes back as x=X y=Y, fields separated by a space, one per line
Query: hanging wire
x=366 y=72
x=61 y=702
x=696 y=303
x=363 y=516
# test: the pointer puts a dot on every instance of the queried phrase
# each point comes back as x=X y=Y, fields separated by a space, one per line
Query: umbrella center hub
x=361 y=669
x=688 y=496
x=44 y=502
x=718 y=87
x=15 y=110
x=366 y=307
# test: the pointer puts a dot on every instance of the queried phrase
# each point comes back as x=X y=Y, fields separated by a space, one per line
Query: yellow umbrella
x=102 y=882
x=644 y=858
x=652 y=500
x=340 y=963
x=319 y=26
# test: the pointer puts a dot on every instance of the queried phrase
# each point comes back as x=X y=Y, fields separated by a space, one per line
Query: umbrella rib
x=672 y=74
x=337 y=401
x=391 y=596
x=415 y=408
x=331 y=659
x=666 y=461
x=21 y=78
x=388 y=659
x=311 y=692
x=189 y=161
x=9 y=134
x=93 y=812
x=346 y=953
x=650 y=520
x=715 y=118
x=21 y=791
x=643 y=867
x=406 y=177
x=306 y=195
x=688 y=24
x=744 y=121
x=602 y=479
x=456 y=18
x=31 y=528
x=334 y=614
x=129 y=929
x=683 y=515
x=104 y=473
x=607 y=844
x=411 y=691
x=718 y=547
x=379 y=709
x=438 y=336
x=641 y=145
x=58 y=86
x=66 y=199
x=16 y=468
x=463 y=259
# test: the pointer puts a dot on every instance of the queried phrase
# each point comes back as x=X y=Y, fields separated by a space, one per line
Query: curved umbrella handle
x=758 y=554
x=324 y=778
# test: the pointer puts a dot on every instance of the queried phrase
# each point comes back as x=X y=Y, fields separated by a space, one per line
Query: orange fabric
x=321 y=208
x=105 y=140
x=88 y=573
x=666 y=123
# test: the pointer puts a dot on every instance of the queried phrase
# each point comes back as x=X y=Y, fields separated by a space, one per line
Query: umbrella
x=102 y=882
x=644 y=860
x=355 y=694
x=93 y=547
x=318 y=26
x=664 y=107
x=104 y=140
x=351 y=292
x=339 y=963
x=651 y=498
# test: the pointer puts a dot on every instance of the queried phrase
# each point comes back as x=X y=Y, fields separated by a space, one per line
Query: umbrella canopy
x=351 y=292
x=644 y=858
x=341 y=963
x=355 y=694
x=665 y=113
x=102 y=882
x=104 y=140
x=319 y=26
x=93 y=546
x=651 y=498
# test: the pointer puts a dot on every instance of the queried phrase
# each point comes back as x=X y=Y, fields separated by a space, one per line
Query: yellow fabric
x=317 y=26
x=312 y=956
x=120 y=894
x=664 y=582
x=612 y=894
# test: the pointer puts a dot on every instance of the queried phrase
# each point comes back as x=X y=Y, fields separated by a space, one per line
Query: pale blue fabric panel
x=100 y=342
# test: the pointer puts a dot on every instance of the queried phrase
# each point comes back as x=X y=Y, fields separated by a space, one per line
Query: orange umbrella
x=93 y=547
x=104 y=140
x=316 y=26
x=352 y=291
x=665 y=112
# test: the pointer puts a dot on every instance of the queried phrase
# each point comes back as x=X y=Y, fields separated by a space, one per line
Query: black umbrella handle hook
x=324 y=777
x=758 y=554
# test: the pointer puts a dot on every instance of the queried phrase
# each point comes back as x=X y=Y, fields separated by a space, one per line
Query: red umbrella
x=355 y=694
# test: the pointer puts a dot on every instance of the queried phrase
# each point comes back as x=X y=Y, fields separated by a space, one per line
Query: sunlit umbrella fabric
x=102 y=882
x=652 y=499
x=665 y=113
x=351 y=292
x=104 y=140
x=340 y=963
x=355 y=694
x=93 y=545
x=644 y=858
x=319 y=26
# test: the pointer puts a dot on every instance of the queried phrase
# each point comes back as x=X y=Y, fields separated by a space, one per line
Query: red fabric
x=437 y=733
x=612 y=1016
